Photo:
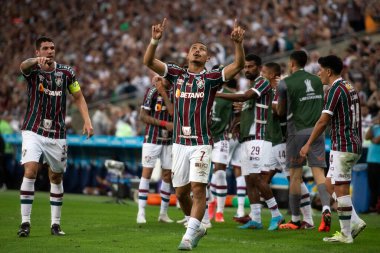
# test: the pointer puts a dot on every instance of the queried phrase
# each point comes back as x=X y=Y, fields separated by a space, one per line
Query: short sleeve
x=331 y=100
x=172 y=72
x=216 y=77
x=261 y=86
x=73 y=86
x=148 y=98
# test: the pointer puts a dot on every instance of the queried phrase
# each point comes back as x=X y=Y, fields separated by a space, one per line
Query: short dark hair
x=275 y=67
x=300 y=57
x=253 y=57
x=332 y=62
x=42 y=39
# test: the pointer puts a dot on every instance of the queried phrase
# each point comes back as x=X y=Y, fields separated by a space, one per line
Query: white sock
x=56 y=200
x=354 y=216
x=213 y=187
x=272 y=205
x=241 y=191
x=192 y=227
x=165 y=197
x=221 y=190
x=344 y=213
x=305 y=204
x=26 y=198
x=256 y=212
x=143 y=194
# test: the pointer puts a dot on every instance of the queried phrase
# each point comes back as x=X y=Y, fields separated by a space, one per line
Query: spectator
x=373 y=160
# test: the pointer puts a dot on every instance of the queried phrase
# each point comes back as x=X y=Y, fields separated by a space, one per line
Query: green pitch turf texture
x=92 y=225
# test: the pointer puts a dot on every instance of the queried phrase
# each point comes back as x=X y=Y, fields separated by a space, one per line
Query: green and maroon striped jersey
x=254 y=115
x=154 y=103
x=46 y=111
x=194 y=96
x=221 y=114
x=342 y=103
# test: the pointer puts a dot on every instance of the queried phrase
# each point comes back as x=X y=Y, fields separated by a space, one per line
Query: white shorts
x=54 y=151
x=255 y=155
x=151 y=152
x=234 y=153
x=278 y=158
x=341 y=164
x=191 y=164
x=220 y=152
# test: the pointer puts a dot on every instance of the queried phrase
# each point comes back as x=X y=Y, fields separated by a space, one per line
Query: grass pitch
x=92 y=225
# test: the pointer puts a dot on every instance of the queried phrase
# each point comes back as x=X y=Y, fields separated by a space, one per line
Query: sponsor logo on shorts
x=254 y=158
x=201 y=165
x=345 y=176
x=24 y=152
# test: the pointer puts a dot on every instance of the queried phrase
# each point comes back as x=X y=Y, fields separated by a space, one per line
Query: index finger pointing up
x=235 y=23
x=163 y=23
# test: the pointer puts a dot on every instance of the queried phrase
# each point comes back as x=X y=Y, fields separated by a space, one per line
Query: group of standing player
x=187 y=122
x=275 y=120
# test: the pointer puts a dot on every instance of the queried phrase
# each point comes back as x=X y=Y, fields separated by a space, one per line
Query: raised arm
x=27 y=65
x=237 y=36
x=238 y=97
x=149 y=60
x=83 y=109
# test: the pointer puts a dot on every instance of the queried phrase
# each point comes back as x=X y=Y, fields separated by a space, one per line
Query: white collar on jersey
x=337 y=80
x=200 y=73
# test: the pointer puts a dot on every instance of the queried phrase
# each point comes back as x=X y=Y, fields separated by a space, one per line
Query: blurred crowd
x=105 y=41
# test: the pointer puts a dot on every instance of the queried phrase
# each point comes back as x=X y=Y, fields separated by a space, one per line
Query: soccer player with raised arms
x=195 y=89
x=43 y=130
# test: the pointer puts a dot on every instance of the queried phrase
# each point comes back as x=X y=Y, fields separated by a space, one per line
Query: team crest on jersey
x=58 y=78
x=47 y=123
x=180 y=82
x=186 y=130
x=200 y=83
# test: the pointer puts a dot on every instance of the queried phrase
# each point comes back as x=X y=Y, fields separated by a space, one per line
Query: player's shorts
x=316 y=156
x=191 y=164
x=220 y=152
x=234 y=153
x=341 y=164
x=151 y=152
x=255 y=155
x=54 y=151
x=277 y=160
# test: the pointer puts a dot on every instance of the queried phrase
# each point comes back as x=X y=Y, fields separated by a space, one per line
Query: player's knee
x=55 y=178
x=166 y=176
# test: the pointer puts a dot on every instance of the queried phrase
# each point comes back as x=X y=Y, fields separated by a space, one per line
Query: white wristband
x=154 y=42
